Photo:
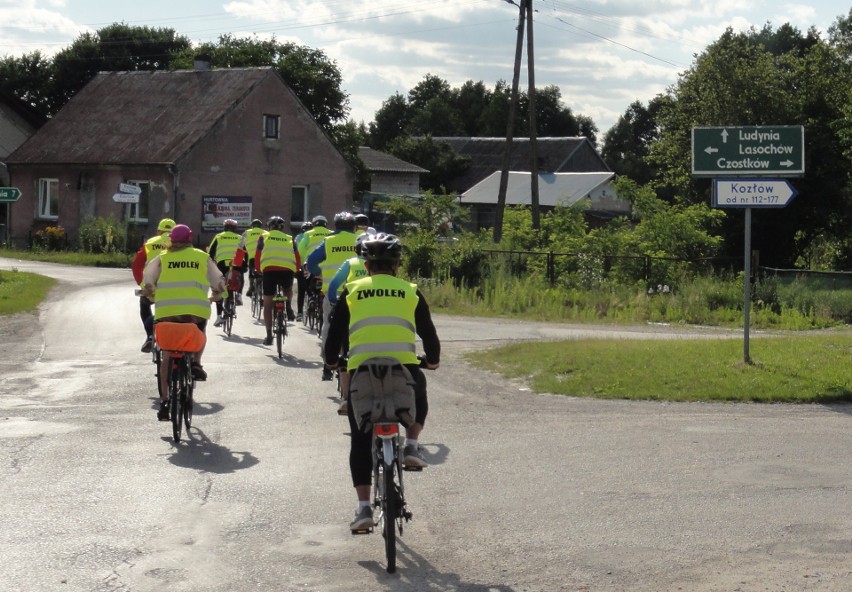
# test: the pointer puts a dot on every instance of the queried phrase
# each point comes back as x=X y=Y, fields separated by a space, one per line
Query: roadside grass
x=789 y=369
x=21 y=291
x=70 y=257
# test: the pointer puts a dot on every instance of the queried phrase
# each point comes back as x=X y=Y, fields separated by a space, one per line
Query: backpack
x=381 y=389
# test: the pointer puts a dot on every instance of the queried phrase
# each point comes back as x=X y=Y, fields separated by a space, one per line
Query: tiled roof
x=139 y=117
x=376 y=161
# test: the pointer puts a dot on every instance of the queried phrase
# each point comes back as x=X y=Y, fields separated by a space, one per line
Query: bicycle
x=389 y=399
x=279 y=319
x=313 y=307
x=229 y=304
x=156 y=355
x=256 y=283
x=179 y=341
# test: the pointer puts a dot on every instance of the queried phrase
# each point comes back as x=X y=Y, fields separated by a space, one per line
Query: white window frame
x=271 y=126
x=135 y=210
x=48 y=195
x=305 y=199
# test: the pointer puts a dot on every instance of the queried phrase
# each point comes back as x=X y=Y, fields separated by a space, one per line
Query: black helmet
x=381 y=247
x=230 y=224
x=306 y=226
x=256 y=223
x=344 y=221
x=319 y=220
x=362 y=220
x=275 y=222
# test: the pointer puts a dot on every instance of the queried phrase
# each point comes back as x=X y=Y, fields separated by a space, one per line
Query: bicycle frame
x=388 y=488
x=279 y=319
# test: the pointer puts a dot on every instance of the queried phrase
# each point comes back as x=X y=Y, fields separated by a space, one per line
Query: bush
x=99 y=235
x=51 y=238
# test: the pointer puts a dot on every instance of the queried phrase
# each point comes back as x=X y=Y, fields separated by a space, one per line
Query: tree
x=437 y=157
x=390 y=122
x=628 y=142
x=28 y=79
x=314 y=78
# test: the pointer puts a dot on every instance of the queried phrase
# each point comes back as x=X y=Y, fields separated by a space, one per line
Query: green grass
x=790 y=369
x=71 y=257
x=21 y=291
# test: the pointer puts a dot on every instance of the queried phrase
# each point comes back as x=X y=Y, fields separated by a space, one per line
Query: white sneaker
x=218 y=322
x=413 y=458
x=363 y=520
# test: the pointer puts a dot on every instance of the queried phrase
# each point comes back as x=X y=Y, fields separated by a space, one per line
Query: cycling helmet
x=362 y=220
x=381 y=247
x=165 y=225
x=275 y=222
x=320 y=220
x=306 y=226
x=360 y=241
x=344 y=221
x=181 y=234
x=230 y=224
x=256 y=223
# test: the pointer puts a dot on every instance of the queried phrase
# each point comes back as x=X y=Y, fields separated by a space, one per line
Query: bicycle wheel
x=389 y=513
x=187 y=403
x=176 y=393
x=157 y=355
x=229 y=315
x=279 y=332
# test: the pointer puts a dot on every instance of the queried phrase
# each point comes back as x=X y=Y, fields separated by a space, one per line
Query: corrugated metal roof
x=139 y=117
x=382 y=162
x=564 y=189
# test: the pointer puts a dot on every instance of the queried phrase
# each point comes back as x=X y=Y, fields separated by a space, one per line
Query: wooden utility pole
x=536 y=221
x=510 y=128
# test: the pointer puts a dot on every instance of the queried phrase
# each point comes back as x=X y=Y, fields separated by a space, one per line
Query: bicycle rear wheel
x=389 y=513
x=279 y=332
x=229 y=314
x=187 y=403
x=177 y=392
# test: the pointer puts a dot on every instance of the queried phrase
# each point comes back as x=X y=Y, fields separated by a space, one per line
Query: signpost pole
x=747 y=286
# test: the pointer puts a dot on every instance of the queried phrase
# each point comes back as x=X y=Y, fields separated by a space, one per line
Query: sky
x=602 y=54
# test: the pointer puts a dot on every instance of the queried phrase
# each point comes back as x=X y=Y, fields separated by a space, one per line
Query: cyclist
x=379 y=315
x=327 y=258
x=362 y=224
x=223 y=250
x=150 y=249
x=277 y=259
x=301 y=280
x=180 y=277
x=248 y=244
x=351 y=270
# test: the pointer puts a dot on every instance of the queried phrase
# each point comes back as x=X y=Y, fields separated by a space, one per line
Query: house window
x=299 y=203
x=271 y=126
x=139 y=211
x=48 y=199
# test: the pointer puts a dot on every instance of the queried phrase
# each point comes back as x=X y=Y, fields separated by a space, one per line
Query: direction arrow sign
x=9 y=194
x=125 y=198
x=744 y=151
x=129 y=188
x=752 y=193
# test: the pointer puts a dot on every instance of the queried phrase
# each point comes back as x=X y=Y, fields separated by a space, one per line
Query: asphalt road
x=524 y=493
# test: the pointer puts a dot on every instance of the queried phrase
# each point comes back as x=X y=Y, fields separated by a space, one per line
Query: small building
x=594 y=190
x=389 y=176
x=200 y=146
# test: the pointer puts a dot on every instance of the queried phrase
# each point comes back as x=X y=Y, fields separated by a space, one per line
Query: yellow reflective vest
x=252 y=235
x=277 y=251
x=357 y=270
x=338 y=248
x=182 y=287
x=381 y=319
x=311 y=240
x=226 y=246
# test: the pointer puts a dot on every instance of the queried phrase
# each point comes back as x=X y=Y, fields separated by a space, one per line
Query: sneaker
x=267 y=340
x=290 y=316
x=326 y=374
x=163 y=413
x=249 y=293
x=148 y=345
x=298 y=317
x=344 y=408
x=412 y=457
x=198 y=372
x=239 y=299
x=218 y=322
x=363 y=520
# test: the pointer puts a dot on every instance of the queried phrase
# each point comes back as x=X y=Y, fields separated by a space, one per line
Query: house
x=554 y=155
x=595 y=190
x=388 y=176
x=17 y=123
x=200 y=146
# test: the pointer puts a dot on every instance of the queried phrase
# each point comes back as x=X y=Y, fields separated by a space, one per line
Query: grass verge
x=790 y=369
x=21 y=291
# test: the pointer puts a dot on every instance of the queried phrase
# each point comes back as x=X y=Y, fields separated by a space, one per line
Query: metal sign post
x=747 y=287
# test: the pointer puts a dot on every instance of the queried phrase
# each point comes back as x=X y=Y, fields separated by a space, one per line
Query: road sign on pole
x=129 y=188
x=9 y=194
x=128 y=198
x=748 y=151
x=752 y=193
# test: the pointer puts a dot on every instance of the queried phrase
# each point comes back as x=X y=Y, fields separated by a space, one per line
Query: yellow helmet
x=166 y=224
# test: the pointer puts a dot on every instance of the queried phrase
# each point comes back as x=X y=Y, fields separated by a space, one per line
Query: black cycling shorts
x=273 y=278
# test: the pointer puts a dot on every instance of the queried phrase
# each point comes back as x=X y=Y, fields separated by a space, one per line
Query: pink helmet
x=181 y=233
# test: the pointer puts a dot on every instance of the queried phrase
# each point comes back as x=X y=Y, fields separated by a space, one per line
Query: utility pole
x=536 y=221
x=504 y=173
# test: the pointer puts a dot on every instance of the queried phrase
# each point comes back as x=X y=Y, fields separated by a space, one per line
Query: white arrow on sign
x=752 y=193
x=710 y=150
x=125 y=198
x=129 y=188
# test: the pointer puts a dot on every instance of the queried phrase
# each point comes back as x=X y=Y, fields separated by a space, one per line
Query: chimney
x=202 y=62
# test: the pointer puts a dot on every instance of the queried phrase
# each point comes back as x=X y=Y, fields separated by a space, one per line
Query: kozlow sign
x=777 y=151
